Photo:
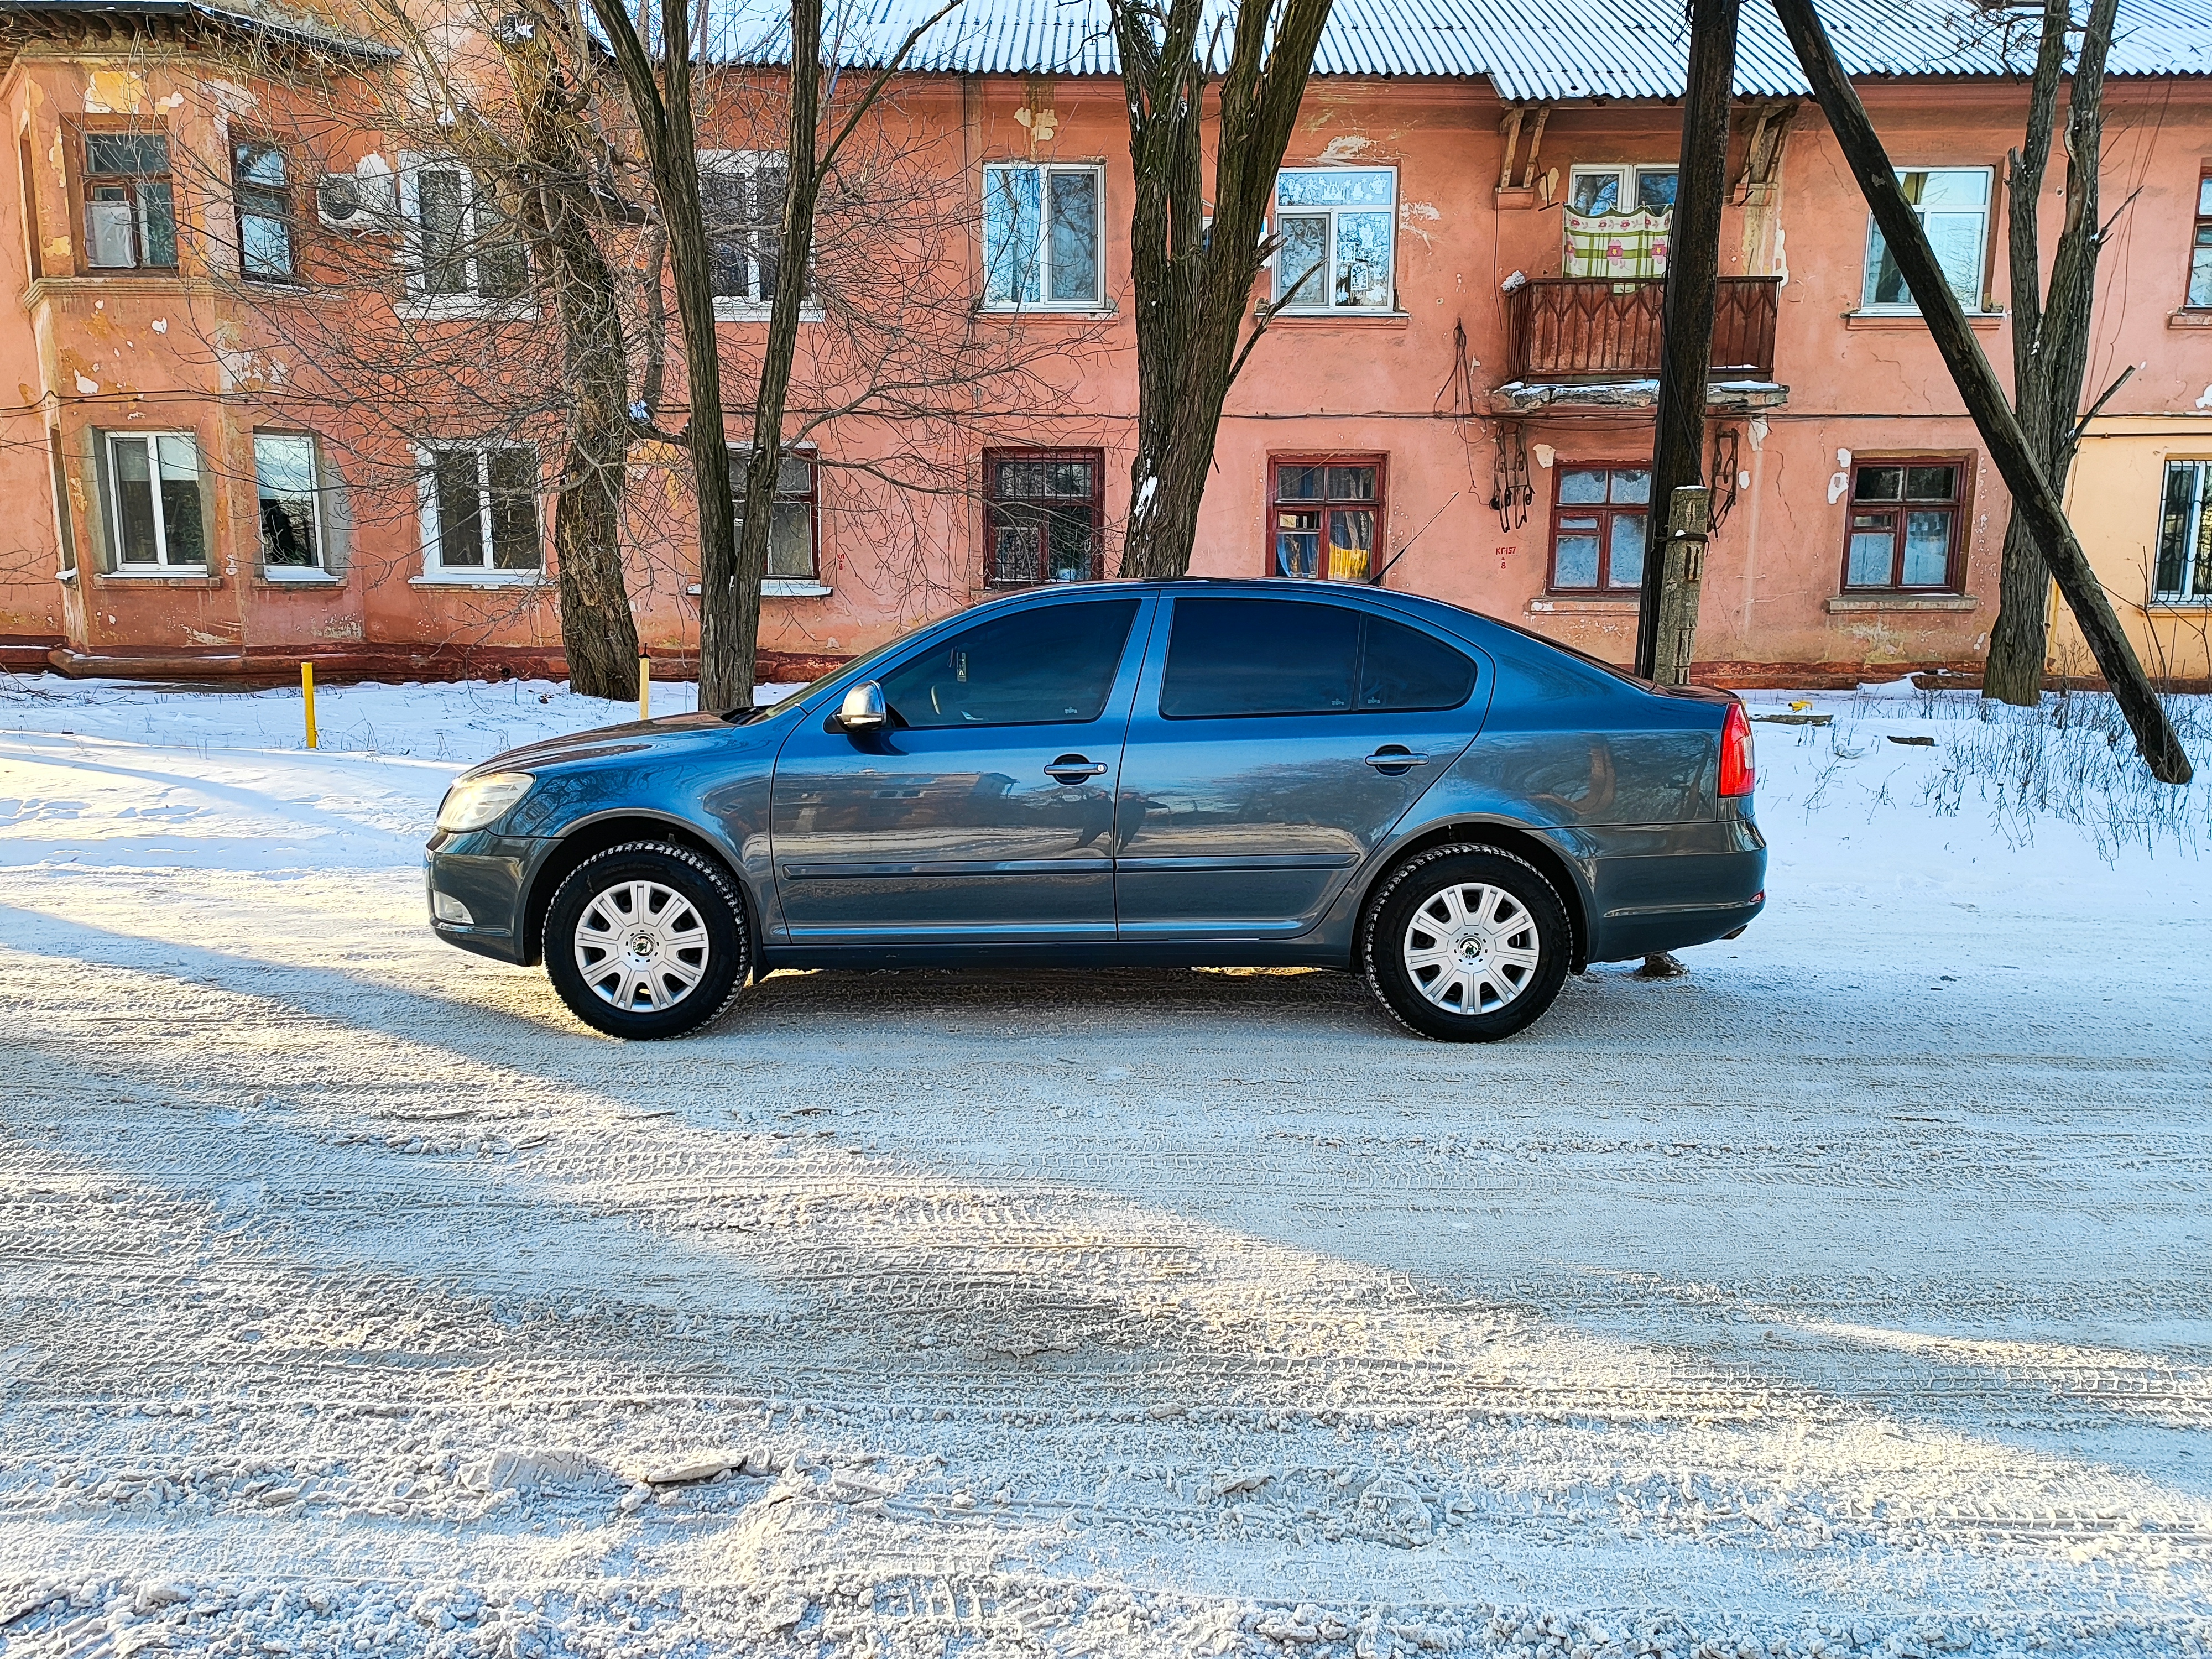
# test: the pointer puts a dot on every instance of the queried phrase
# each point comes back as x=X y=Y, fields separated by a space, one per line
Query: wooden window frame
x=35 y=256
x=2200 y=242
x=994 y=460
x=239 y=137
x=1376 y=555
x=77 y=160
x=1960 y=506
x=1604 y=512
x=741 y=457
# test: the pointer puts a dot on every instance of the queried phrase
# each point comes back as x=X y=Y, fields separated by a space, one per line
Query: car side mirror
x=863 y=709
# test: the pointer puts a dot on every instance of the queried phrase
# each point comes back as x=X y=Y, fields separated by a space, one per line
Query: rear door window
x=1231 y=659
x=1039 y=666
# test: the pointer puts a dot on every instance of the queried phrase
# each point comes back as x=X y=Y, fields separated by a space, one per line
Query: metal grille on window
x=1043 y=519
x=2184 y=536
x=130 y=209
x=1325 y=519
x=1904 y=517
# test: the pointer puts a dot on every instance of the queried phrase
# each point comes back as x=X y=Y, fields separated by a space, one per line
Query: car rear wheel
x=1466 y=944
x=647 y=940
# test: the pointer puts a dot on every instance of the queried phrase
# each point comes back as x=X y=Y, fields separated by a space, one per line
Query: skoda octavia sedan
x=1186 y=772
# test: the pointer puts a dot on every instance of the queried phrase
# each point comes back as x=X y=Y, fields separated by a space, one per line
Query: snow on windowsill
x=781 y=588
x=756 y=310
x=274 y=576
x=485 y=579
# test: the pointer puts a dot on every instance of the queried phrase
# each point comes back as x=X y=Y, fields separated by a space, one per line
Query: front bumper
x=487 y=875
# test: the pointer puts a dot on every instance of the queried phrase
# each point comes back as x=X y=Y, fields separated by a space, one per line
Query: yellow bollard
x=644 y=686
x=307 y=690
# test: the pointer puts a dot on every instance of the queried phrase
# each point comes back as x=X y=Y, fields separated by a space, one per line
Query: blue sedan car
x=1186 y=772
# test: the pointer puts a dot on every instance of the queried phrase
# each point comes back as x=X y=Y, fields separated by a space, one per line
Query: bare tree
x=1193 y=272
x=2050 y=326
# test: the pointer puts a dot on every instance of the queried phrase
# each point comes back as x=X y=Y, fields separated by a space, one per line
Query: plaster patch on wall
x=174 y=100
x=1344 y=148
x=114 y=91
x=87 y=387
x=339 y=627
x=2205 y=402
x=235 y=98
x=1781 y=258
x=1838 y=484
x=161 y=325
x=198 y=636
x=1412 y=211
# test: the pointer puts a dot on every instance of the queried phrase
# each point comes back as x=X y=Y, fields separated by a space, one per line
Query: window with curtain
x=129 y=201
x=1905 y=519
x=1327 y=514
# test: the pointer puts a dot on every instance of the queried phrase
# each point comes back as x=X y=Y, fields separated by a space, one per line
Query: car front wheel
x=1466 y=944
x=647 y=940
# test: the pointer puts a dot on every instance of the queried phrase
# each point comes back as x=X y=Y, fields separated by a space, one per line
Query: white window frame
x=422 y=301
x=734 y=309
x=319 y=571
x=162 y=564
x=1328 y=307
x=1625 y=174
x=1972 y=305
x=435 y=570
x=1041 y=253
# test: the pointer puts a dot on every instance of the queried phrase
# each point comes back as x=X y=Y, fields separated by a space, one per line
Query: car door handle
x=1390 y=755
x=1074 y=768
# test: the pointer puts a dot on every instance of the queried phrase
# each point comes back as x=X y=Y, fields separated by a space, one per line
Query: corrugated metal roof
x=1528 y=49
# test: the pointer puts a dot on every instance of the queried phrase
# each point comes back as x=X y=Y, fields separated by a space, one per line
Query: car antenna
x=1411 y=540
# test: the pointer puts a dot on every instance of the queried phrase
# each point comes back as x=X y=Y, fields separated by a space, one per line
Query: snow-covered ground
x=1849 y=1295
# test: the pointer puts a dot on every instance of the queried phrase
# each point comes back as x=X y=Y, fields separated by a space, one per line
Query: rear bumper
x=1623 y=935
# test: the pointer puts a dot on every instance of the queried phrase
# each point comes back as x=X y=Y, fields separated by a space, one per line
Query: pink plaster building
x=1472 y=218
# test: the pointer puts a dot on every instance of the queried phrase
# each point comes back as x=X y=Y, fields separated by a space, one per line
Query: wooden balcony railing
x=1586 y=328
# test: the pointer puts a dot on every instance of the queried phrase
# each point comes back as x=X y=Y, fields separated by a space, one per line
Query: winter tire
x=1466 y=944
x=647 y=940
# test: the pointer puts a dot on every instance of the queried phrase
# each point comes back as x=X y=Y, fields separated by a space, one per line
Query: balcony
x=1590 y=340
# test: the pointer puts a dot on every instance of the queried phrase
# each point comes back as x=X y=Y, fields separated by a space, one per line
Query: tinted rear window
x=1230 y=658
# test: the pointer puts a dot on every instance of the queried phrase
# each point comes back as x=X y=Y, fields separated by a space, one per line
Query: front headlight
x=474 y=802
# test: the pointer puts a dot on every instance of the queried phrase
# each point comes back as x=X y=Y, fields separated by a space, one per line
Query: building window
x=1042 y=516
x=1904 y=516
x=1334 y=231
x=460 y=245
x=2200 y=251
x=30 y=172
x=1601 y=517
x=1954 y=207
x=741 y=192
x=1617 y=221
x=63 y=524
x=792 y=533
x=291 y=522
x=2184 y=536
x=262 y=188
x=479 y=506
x=156 y=477
x=1326 y=512
x=1041 y=237
x=130 y=205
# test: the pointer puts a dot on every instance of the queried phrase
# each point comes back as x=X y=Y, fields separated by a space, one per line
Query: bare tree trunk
x=2034 y=495
x=1194 y=283
x=729 y=605
x=2049 y=336
x=802 y=193
x=597 y=634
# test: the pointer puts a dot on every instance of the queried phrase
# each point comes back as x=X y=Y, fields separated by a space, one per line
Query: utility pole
x=1668 y=618
x=2035 y=495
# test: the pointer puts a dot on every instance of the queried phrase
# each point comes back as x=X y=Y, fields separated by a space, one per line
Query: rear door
x=1275 y=742
x=985 y=812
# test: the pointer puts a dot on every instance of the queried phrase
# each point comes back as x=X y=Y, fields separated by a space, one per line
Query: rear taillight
x=1738 y=774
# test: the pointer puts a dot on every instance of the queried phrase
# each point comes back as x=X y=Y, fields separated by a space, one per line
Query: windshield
x=767 y=711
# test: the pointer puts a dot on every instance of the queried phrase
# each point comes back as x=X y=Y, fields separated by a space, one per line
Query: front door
x=984 y=812
x=1275 y=742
